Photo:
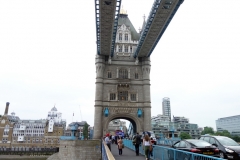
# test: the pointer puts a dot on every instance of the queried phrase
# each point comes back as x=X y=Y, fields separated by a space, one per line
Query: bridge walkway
x=127 y=154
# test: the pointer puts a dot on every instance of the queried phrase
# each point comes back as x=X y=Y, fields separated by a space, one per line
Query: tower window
x=131 y=49
x=123 y=74
x=136 y=75
x=119 y=48
x=123 y=96
x=126 y=37
x=133 y=97
x=112 y=96
x=109 y=74
x=120 y=36
x=126 y=49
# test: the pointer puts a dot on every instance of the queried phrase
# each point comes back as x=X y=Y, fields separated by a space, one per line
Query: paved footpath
x=18 y=157
x=127 y=154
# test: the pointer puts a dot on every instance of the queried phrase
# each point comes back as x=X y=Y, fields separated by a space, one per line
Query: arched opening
x=124 y=127
x=130 y=125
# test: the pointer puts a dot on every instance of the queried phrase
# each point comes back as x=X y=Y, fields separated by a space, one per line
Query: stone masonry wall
x=78 y=150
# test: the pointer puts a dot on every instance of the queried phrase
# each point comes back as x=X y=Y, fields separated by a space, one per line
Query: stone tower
x=123 y=83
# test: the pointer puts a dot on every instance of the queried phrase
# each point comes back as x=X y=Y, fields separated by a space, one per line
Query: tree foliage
x=184 y=135
x=236 y=138
x=223 y=133
x=208 y=130
x=85 y=131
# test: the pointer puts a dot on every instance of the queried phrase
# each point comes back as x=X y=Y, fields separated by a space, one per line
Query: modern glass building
x=231 y=124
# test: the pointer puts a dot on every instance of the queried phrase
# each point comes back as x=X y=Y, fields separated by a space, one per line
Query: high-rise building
x=166 y=108
x=231 y=124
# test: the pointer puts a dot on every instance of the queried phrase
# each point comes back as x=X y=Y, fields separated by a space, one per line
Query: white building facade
x=55 y=116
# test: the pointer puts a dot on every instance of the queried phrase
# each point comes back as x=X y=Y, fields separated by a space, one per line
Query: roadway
x=127 y=154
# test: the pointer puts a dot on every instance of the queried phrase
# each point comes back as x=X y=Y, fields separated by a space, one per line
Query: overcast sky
x=47 y=58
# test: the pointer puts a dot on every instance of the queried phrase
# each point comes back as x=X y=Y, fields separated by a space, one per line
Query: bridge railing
x=167 y=142
x=106 y=153
x=166 y=153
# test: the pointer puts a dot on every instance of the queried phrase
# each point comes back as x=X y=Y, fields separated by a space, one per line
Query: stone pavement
x=127 y=154
x=18 y=157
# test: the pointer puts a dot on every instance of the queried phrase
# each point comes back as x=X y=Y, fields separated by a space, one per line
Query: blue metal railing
x=106 y=153
x=167 y=142
x=167 y=153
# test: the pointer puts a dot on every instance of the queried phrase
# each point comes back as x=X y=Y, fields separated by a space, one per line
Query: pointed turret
x=123 y=19
x=144 y=23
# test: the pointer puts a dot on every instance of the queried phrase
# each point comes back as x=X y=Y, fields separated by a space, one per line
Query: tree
x=223 y=133
x=184 y=135
x=208 y=130
x=236 y=138
x=85 y=131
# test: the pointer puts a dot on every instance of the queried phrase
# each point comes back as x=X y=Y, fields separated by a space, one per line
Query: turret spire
x=122 y=11
x=144 y=23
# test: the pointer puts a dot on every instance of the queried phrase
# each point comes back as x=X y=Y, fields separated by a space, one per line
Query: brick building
x=18 y=134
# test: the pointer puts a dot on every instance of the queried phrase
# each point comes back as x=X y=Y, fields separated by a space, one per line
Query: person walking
x=120 y=146
x=108 y=141
x=113 y=139
x=116 y=138
x=137 y=143
x=146 y=146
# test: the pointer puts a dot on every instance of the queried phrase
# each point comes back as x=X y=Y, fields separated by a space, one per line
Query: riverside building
x=162 y=125
x=231 y=124
x=22 y=135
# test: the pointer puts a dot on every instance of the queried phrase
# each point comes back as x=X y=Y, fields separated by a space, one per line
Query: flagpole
x=72 y=116
x=80 y=112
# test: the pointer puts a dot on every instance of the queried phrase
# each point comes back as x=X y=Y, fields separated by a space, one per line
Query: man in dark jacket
x=138 y=142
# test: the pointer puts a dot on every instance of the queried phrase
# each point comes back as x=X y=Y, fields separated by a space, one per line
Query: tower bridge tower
x=122 y=83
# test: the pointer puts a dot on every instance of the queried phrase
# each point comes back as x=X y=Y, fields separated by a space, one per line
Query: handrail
x=167 y=153
x=168 y=142
x=106 y=153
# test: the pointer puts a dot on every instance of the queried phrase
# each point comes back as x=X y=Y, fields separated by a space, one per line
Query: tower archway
x=137 y=123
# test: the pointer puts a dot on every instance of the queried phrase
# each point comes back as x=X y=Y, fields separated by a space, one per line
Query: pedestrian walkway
x=127 y=154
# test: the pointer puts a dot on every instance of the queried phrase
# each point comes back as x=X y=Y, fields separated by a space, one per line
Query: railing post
x=174 y=154
x=162 y=153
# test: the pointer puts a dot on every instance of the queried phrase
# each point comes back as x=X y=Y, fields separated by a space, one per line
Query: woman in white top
x=146 y=144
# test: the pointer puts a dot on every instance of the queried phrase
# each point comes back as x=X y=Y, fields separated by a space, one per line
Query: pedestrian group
x=146 y=144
